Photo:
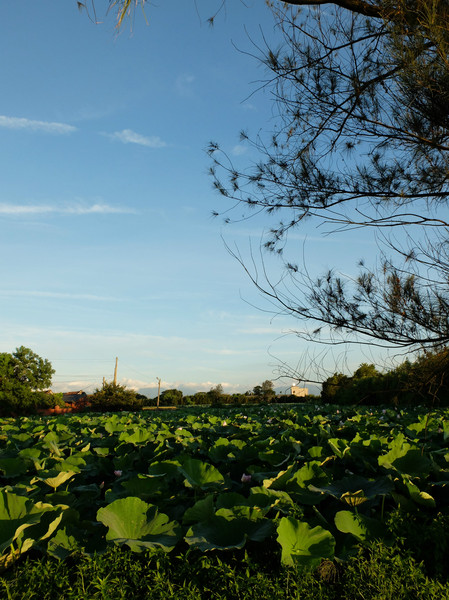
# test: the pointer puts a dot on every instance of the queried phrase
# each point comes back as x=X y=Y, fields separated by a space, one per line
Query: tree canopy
x=362 y=139
x=23 y=376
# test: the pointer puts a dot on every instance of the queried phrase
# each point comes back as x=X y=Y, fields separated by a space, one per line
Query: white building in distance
x=299 y=391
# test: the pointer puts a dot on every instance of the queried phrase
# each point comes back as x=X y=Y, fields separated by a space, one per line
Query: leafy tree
x=365 y=370
x=362 y=141
x=114 y=396
x=171 y=397
x=30 y=369
x=257 y=391
x=332 y=387
x=215 y=394
x=268 y=392
x=23 y=376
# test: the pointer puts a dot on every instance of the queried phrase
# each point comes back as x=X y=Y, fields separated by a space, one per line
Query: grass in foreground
x=378 y=572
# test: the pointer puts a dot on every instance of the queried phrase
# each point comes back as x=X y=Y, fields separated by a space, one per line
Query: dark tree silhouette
x=362 y=141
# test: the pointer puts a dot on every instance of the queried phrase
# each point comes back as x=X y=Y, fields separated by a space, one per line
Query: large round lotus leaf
x=303 y=545
x=167 y=468
x=216 y=534
x=144 y=486
x=226 y=531
x=355 y=484
x=200 y=511
x=16 y=514
x=361 y=527
x=133 y=522
x=201 y=474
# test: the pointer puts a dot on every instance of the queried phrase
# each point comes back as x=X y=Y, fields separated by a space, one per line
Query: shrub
x=113 y=396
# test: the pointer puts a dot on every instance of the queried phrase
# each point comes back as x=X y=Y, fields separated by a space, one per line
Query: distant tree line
x=424 y=381
x=260 y=394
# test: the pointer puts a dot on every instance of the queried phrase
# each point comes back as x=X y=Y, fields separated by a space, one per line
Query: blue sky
x=107 y=241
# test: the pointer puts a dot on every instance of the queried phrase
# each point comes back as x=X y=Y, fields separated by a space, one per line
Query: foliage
x=265 y=392
x=361 y=141
x=425 y=381
x=301 y=484
x=215 y=395
x=23 y=376
x=171 y=397
x=114 y=396
x=378 y=571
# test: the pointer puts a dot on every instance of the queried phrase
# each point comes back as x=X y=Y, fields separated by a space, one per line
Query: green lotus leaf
x=139 y=525
x=361 y=527
x=21 y=437
x=144 y=486
x=31 y=453
x=12 y=467
x=200 y=511
x=224 y=532
x=418 y=496
x=338 y=446
x=316 y=451
x=63 y=544
x=61 y=478
x=267 y=498
x=405 y=458
x=18 y=513
x=231 y=499
x=303 y=545
x=167 y=468
x=101 y=451
x=138 y=437
x=201 y=474
x=274 y=458
x=72 y=463
x=350 y=485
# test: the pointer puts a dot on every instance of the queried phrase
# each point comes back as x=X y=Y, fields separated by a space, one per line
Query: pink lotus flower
x=246 y=478
x=118 y=473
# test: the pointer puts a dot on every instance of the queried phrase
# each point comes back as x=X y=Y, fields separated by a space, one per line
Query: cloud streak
x=128 y=136
x=56 y=295
x=77 y=209
x=22 y=124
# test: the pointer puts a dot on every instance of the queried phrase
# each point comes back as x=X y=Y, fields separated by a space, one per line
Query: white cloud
x=184 y=83
x=30 y=125
x=128 y=136
x=239 y=149
x=258 y=331
x=67 y=209
x=56 y=295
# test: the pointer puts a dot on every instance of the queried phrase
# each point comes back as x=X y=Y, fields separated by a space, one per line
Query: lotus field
x=310 y=482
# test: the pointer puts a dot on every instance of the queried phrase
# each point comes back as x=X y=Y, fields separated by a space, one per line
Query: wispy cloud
x=259 y=331
x=128 y=136
x=30 y=125
x=239 y=149
x=184 y=83
x=55 y=295
x=77 y=209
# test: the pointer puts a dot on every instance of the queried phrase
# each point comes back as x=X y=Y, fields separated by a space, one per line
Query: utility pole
x=115 y=371
x=158 y=390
